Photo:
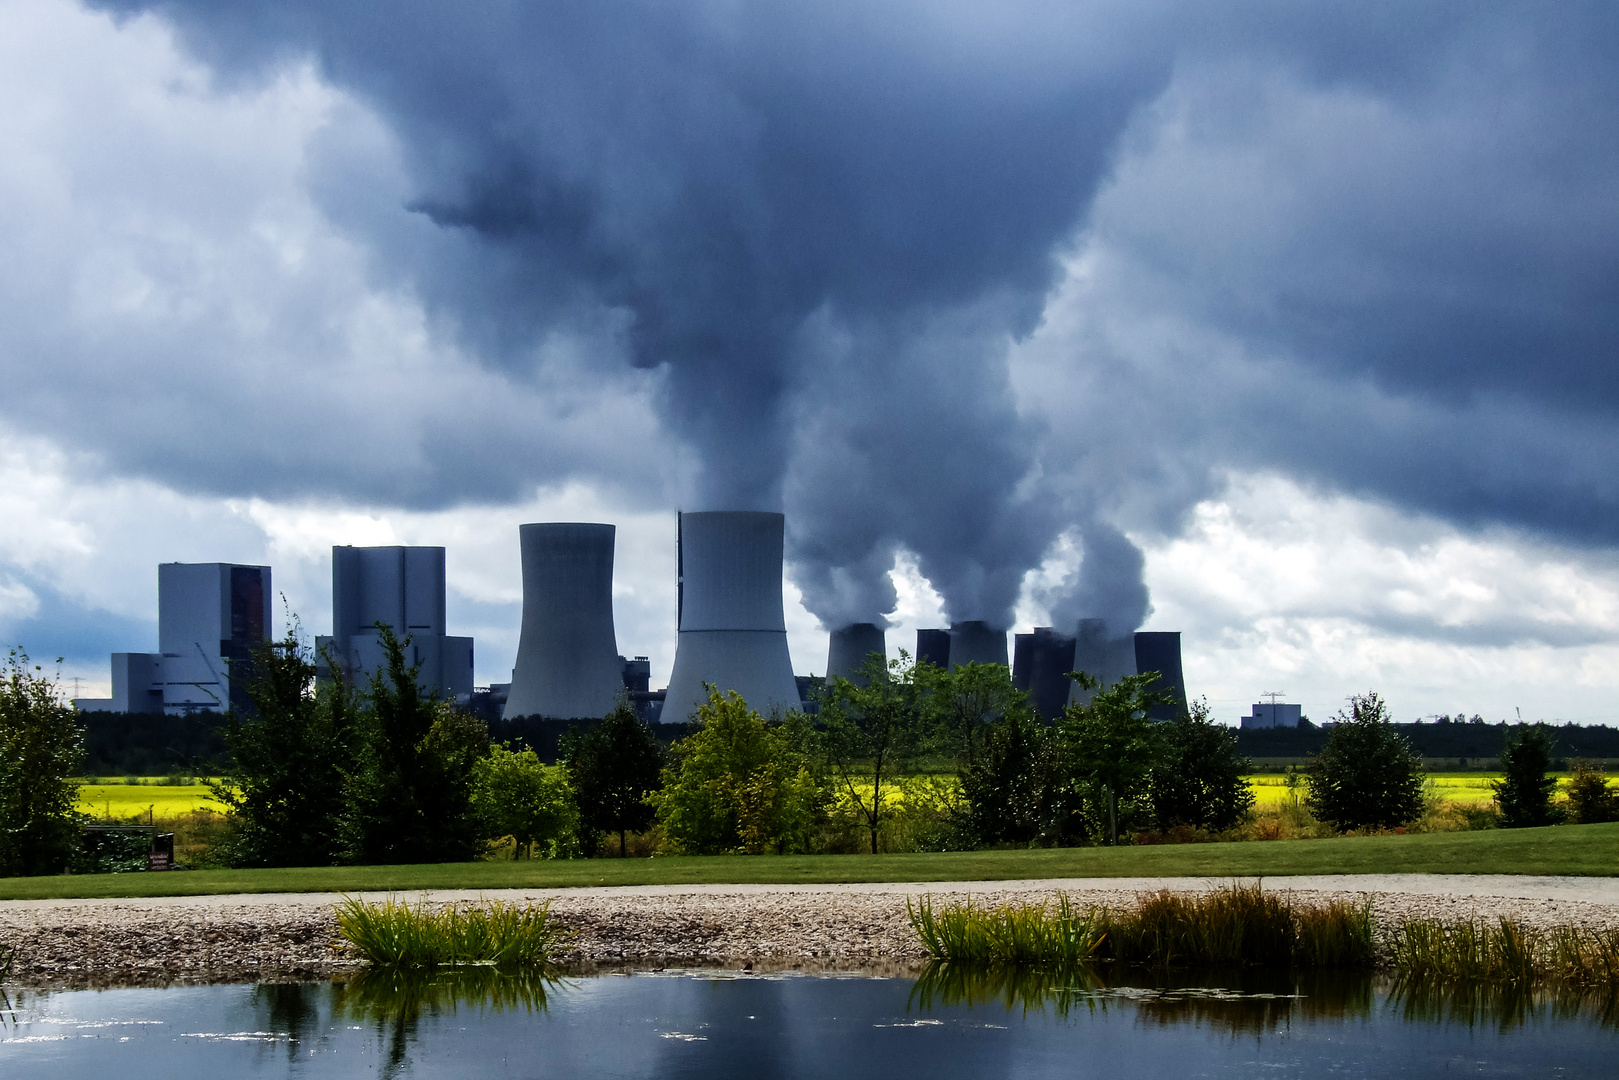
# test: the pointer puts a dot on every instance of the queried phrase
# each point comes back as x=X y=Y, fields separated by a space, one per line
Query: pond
x=717 y=1024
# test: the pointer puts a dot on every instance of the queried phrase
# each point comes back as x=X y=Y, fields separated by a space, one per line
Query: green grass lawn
x=1568 y=849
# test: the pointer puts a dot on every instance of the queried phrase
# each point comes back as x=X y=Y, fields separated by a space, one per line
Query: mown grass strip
x=1566 y=849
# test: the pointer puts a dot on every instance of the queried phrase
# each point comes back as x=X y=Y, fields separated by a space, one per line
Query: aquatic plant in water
x=503 y=935
x=1474 y=951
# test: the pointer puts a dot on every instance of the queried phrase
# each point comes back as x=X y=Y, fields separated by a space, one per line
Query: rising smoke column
x=826 y=222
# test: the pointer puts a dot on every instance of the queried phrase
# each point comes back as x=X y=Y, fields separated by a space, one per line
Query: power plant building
x=1273 y=715
x=402 y=588
x=568 y=665
x=732 y=628
x=209 y=616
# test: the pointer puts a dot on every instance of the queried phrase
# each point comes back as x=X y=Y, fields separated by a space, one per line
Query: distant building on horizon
x=1273 y=714
x=209 y=615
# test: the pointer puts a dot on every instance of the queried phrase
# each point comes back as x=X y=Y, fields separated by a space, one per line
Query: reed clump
x=1507 y=951
x=502 y=935
x=1239 y=924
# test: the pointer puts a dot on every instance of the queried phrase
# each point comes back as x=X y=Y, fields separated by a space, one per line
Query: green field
x=1567 y=849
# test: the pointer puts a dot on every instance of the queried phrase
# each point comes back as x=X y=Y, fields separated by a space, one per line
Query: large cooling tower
x=732 y=631
x=1160 y=651
x=1108 y=659
x=974 y=642
x=934 y=647
x=567 y=659
x=1041 y=664
x=849 y=648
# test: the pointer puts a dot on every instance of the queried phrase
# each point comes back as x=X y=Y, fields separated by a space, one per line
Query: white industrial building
x=1272 y=714
x=208 y=616
x=402 y=588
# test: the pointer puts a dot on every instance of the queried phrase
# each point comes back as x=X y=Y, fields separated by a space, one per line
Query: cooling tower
x=934 y=647
x=1096 y=654
x=732 y=631
x=1041 y=663
x=975 y=642
x=567 y=658
x=1160 y=651
x=849 y=648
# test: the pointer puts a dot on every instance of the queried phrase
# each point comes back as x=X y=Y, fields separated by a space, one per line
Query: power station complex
x=730 y=621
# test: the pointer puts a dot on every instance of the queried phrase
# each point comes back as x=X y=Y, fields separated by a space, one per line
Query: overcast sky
x=1290 y=327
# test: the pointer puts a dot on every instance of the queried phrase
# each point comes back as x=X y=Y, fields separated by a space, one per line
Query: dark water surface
x=718 y=1025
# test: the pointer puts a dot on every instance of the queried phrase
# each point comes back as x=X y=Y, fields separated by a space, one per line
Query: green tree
x=1004 y=787
x=410 y=794
x=738 y=784
x=1590 y=799
x=966 y=699
x=1111 y=745
x=290 y=758
x=1524 y=792
x=874 y=731
x=1199 y=780
x=516 y=794
x=614 y=767
x=1367 y=776
x=41 y=752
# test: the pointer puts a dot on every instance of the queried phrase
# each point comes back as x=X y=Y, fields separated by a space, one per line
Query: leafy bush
x=1590 y=799
x=41 y=751
x=738 y=784
x=1367 y=776
x=1524 y=792
x=613 y=768
x=516 y=794
x=1199 y=779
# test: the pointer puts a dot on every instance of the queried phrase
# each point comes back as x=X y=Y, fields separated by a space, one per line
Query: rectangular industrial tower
x=403 y=588
x=209 y=616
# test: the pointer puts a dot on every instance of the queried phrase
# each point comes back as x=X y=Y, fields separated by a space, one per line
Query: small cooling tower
x=1108 y=659
x=1040 y=665
x=1160 y=651
x=568 y=665
x=975 y=642
x=732 y=630
x=934 y=647
x=849 y=648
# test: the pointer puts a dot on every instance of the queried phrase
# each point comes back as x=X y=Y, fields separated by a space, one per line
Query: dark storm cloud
x=827 y=223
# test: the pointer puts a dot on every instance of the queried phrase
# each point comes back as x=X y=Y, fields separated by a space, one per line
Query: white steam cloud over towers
x=567 y=658
x=732 y=630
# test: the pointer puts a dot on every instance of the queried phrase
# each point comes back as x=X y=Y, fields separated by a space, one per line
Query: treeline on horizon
x=155 y=744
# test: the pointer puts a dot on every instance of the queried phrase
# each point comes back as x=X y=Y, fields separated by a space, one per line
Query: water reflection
x=1251 y=1001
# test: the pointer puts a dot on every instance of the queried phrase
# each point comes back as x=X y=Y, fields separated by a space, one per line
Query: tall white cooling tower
x=567 y=658
x=975 y=642
x=732 y=630
x=1096 y=654
x=849 y=647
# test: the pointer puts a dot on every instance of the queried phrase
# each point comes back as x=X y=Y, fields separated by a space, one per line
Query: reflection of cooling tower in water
x=567 y=658
x=732 y=630
x=1104 y=658
x=1040 y=664
x=849 y=648
x=976 y=642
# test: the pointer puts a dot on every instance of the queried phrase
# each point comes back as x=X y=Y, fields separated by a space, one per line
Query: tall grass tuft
x=1239 y=924
x=395 y=934
x=1009 y=934
x=1471 y=951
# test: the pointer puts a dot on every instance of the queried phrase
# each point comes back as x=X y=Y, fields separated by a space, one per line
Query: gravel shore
x=228 y=938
